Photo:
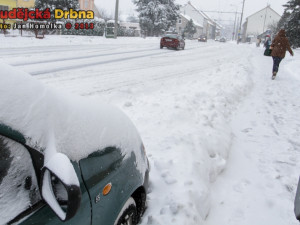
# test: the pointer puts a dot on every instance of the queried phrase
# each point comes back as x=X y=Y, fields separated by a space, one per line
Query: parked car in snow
x=66 y=159
x=202 y=38
x=222 y=39
x=217 y=38
x=172 y=41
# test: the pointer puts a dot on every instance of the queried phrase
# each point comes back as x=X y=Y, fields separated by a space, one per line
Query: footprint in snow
x=168 y=178
x=246 y=130
x=240 y=187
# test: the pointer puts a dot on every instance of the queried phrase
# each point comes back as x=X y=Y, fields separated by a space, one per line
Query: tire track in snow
x=78 y=57
x=81 y=65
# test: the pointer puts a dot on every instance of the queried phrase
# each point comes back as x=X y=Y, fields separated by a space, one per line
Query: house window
x=179 y=21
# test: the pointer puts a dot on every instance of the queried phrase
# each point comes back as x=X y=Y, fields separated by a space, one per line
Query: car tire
x=128 y=213
x=177 y=48
x=183 y=47
x=161 y=47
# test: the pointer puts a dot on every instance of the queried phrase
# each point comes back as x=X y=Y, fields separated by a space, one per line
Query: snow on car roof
x=76 y=126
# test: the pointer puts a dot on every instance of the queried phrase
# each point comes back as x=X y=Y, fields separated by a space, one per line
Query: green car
x=65 y=159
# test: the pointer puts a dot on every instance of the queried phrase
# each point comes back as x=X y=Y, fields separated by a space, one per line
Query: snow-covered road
x=201 y=111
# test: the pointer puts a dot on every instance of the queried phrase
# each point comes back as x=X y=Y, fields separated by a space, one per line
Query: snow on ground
x=259 y=184
x=201 y=111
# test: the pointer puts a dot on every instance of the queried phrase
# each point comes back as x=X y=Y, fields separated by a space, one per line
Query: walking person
x=268 y=42
x=279 y=46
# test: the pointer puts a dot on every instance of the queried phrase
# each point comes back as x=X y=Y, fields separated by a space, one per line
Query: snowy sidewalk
x=258 y=187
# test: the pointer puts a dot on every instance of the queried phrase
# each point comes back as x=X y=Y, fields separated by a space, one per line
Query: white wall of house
x=205 y=24
x=182 y=22
x=195 y=14
x=259 y=22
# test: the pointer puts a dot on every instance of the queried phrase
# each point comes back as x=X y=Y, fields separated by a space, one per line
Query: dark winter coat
x=280 y=45
x=267 y=44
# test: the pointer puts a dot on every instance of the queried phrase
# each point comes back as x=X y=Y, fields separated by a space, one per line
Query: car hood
x=51 y=119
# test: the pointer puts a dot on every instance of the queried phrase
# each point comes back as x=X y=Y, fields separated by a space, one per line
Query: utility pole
x=240 y=29
x=233 y=34
x=116 y=19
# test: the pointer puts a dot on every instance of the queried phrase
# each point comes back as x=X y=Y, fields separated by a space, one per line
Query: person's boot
x=274 y=75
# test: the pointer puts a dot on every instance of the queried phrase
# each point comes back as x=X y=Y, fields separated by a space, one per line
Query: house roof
x=189 y=18
x=268 y=7
x=204 y=15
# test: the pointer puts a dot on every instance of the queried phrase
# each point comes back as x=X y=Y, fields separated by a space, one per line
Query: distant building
x=183 y=21
x=10 y=4
x=86 y=4
x=204 y=24
x=25 y=3
x=89 y=5
x=260 y=22
x=7 y=5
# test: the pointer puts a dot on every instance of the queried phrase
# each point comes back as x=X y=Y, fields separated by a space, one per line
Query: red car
x=172 y=41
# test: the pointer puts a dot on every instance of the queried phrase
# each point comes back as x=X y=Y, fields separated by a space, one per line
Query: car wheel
x=161 y=46
x=183 y=47
x=128 y=214
x=177 y=48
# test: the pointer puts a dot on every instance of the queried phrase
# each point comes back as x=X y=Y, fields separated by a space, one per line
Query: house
x=86 y=4
x=182 y=22
x=25 y=3
x=204 y=24
x=89 y=5
x=7 y=5
x=260 y=22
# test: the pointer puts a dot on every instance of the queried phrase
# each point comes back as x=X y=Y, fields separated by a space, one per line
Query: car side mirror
x=60 y=186
x=297 y=202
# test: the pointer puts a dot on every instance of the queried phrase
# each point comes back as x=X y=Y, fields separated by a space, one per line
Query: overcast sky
x=251 y=6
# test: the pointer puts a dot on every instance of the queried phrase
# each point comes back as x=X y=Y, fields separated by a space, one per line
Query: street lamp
x=116 y=19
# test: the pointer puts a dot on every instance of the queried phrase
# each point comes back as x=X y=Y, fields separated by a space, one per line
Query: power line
x=221 y=12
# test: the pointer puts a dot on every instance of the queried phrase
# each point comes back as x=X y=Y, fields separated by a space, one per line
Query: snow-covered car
x=65 y=159
x=172 y=41
x=202 y=38
x=223 y=39
x=217 y=38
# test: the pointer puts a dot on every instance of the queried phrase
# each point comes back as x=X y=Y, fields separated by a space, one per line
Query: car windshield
x=171 y=36
x=18 y=184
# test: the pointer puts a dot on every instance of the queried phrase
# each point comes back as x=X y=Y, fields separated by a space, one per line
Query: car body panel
x=108 y=167
x=93 y=172
x=102 y=143
x=172 y=41
x=297 y=202
x=12 y=134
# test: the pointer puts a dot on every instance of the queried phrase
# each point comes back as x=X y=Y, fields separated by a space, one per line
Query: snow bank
x=74 y=125
x=182 y=104
x=185 y=124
